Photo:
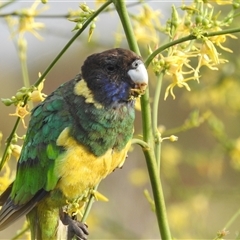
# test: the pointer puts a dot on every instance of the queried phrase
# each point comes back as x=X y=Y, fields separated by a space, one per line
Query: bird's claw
x=75 y=228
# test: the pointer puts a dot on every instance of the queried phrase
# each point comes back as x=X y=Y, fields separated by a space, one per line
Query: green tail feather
x=43 y=222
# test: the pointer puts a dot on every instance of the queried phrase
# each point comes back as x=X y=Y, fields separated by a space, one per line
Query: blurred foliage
x=200 y=172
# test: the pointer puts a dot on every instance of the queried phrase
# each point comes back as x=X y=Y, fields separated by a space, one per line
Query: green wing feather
x=40 y=150
x=35 y=176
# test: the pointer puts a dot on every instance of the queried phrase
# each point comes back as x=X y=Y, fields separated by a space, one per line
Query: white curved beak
x=138 y=74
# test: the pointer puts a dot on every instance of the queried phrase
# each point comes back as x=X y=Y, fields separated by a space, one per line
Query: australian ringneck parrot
x=76 y=137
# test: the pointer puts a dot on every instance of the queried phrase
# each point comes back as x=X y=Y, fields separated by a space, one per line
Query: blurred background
x=200 y=172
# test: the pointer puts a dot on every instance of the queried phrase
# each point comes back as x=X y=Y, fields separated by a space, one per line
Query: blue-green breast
x=98 y=127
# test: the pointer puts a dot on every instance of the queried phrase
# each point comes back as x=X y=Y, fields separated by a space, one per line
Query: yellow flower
x=208 y=56
x=6 y=178
x=37 y=94
x=146 y=25
x=21 y=112
x=178 y=80
x=209 y=49
x=222 y=233
x=99 y=196
x=149 y=17
x=222 y=2
x=174 y=65
x=26 y=22
x=218 y=40
x=138 y=104
x=144 y=35
x=16 y=150
x=74 y=208
x=98 y=2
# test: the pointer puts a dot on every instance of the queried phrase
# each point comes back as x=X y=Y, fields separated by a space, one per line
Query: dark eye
x=110 y=67
x=136 y=63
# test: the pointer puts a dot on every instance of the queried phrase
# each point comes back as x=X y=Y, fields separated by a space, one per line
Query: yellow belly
x=80 y=170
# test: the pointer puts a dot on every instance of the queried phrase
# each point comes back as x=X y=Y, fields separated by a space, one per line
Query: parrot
x=78 y=135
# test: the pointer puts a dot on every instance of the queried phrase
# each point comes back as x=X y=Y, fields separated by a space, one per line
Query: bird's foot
x=75 y=228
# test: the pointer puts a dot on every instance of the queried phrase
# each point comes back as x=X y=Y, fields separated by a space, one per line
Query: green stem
x=25 y=73
x=173 y=131
x=89 y=205
x=156 y=99
x=140 y=142
x=157 y=134
x=90 y=19
x=8 y=143
x=158 y=195
x=187 y=38
x=7 y=3
x=147 y=119
x=232 y=219
x=147 y=131
x=126 y=24
x=24 y=68
x=21 y=233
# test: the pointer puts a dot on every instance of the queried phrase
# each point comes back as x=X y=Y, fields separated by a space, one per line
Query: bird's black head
x=115 y=76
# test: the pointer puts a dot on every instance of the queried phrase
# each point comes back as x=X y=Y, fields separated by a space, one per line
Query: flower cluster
x=198 y=22
x=24 y=94
x=26 y=21
x=146 y=25
x=173 y=66
x=23 y=23
x=8 y=175
x=80 y=16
